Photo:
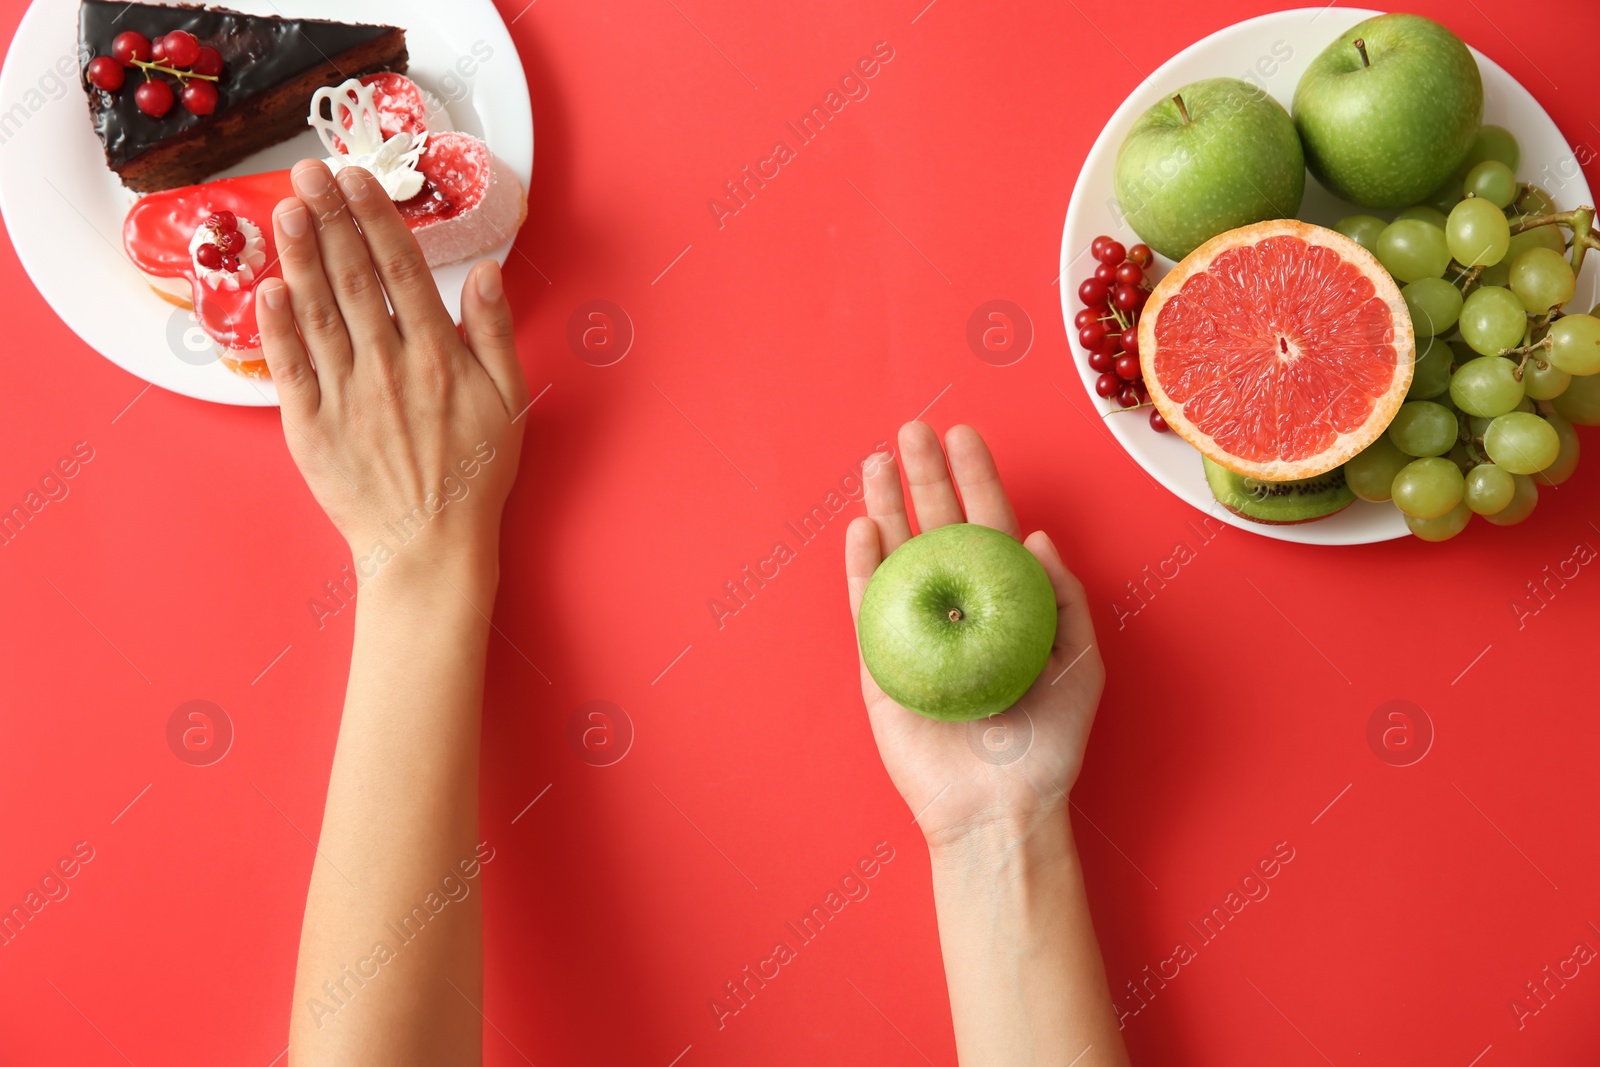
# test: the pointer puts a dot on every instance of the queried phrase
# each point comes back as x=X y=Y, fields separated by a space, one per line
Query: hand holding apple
x=940 y=767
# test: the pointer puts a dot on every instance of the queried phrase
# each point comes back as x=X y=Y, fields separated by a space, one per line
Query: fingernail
x=490 y=286
x=353 y=184
x=272 y=292
x=311 y=181
x=295 y=220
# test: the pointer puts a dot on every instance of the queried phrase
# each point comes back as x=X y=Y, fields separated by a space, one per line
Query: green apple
x=958 y=622
x=1214 y=156
x=1388 y=111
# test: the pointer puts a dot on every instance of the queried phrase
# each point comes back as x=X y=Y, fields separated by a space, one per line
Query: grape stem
x=1544 y=321
x=1560 y=218
x=1580 y=220
x=1468 y=277
x=1527 y=352
x=1583 y=237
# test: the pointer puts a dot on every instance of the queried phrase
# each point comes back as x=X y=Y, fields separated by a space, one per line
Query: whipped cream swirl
x=252 y=258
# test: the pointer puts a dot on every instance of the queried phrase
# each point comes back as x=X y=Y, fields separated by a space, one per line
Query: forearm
x=1027 y=985
x=396 y=865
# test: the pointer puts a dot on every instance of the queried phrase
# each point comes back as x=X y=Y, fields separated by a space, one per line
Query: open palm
x=1010 y=768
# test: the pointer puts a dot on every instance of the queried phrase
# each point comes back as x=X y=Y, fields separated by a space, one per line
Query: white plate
x=64 y=208
x=1273 y=51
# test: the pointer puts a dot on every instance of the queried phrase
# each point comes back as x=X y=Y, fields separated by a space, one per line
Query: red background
x=796 y=337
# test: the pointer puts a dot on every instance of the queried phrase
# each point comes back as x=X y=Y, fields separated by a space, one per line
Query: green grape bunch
x=1505 y=369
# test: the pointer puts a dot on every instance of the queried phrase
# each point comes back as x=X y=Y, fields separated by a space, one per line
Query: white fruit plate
x=1273 y=51
x=64 y=209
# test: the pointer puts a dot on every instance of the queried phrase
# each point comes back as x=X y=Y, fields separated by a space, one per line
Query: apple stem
x=1177 y=98
x=1361 y=46
x=955 y=614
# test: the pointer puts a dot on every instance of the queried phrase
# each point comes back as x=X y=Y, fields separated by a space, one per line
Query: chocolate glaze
x=259 y=54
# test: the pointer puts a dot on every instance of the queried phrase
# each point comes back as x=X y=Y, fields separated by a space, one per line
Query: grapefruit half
x=1279 y=349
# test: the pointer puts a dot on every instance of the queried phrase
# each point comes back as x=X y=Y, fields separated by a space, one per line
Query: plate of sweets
x=1329 y=275
x=140 y=201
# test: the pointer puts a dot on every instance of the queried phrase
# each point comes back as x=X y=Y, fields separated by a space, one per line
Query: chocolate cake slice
x=271 y=66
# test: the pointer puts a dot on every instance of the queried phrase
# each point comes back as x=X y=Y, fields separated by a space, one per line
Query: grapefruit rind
x=1345 y=443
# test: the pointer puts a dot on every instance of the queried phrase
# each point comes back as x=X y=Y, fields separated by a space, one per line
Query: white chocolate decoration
x=392 y=161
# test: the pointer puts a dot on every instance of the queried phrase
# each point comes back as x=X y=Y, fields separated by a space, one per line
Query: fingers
x=345 y=261
x=982 y=494
x=931 y=490
x=311 y=299
x=863 y=551
x=395 y=253
x=486 y=321
x=287 y=359
x=886 y=501
x=1070 y=596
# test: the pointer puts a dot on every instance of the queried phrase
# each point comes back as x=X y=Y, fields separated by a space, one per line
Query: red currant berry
x=1107 y=385
x=1130 y=274
x=208 y=256
x=1098 y=243
x=230 y=264
x=1106 y=274
x=130 y=45
x=1106 y=344
x=158 y=50
x=1140 y=388
x=208 y=62
x=181 y=48
x=1127 y=367
x=1112 y=252
x=1125 y=297
x=1101 y=362
x=154 y=98
x=1141 y=296
x=1141 y=255
x=1092 y=292
x=1129 y=340
x=200 y=98
x=1157 y=423
x=222 y=221
x=230 y=241
x=1127 y=397
x=1083 y=318
x=106 y=73
x=1091 y=333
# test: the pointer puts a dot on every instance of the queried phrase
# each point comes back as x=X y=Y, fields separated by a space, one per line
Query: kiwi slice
x=1279 y=503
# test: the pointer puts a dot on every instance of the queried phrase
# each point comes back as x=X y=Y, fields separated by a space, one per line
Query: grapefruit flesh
x=1279 y=349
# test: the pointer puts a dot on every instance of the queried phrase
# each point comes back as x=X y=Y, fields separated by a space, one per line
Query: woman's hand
x=407 y=434
x=1027 y=985
x=409 y=437
x=1013 y=770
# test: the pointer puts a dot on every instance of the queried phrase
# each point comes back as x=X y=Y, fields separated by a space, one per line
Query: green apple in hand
x=1214 y=156
x=958 y=622
x=1389 y=110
